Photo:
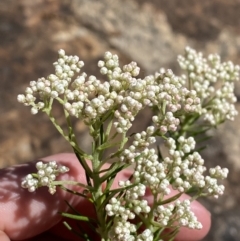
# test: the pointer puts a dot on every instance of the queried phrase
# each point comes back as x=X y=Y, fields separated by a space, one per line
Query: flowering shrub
x=183 y=108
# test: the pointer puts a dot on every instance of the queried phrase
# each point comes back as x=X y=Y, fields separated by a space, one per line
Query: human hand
x=34 y=216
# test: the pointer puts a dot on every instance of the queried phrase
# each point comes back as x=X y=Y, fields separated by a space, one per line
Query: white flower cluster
x=133 y=204
x=151 y=172
x=171 y=97
x=117 y=209
x=146 y=235
x=88 y=98
x=126 y=231
x=180 y=212
x=46 y=175
x=188 y=169
x=184 y=167
x=141 y=140
x=54 y=85
x=122 y=212
x=148 y=170
x=176 y=102
x=107 y=95
x=122 y=231
x=217 y=103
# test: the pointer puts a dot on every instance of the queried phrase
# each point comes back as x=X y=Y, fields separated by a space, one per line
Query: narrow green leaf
x=73 y=192
x=113 y=171
x=107 y=145
x=170 y=199
x=75 y=217
x=82 y=235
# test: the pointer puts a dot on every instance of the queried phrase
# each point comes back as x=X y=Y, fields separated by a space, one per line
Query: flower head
x=45 y=176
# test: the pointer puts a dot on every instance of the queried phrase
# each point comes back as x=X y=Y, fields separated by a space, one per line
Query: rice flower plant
x=184 y=108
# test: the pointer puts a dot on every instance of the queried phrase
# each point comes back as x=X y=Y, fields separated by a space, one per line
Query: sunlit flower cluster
x=182 y=107
x=202 y=73
x=46 y=175
x=181 y=211
x=39 y=92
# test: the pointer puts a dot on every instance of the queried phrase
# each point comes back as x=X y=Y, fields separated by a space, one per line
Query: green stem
x=84 y=164
x=98 y=197
x=58 y=183
x=60 y=130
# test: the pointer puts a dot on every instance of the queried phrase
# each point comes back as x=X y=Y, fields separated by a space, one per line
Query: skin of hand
x=34 y=216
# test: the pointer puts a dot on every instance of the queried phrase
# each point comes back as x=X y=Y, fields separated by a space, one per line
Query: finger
x=47 y=236
x=4 y=237
x=25 y=214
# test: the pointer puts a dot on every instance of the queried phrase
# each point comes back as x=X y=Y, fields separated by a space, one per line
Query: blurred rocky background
x=150 y=32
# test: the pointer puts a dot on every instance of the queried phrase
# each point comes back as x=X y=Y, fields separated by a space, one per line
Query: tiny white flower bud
x=32 y=189
x=61 y=53
x=21 y=98
x=108 y=55
x=34 y=110
x=39 y=165
x=44 y=181
x=103 y=70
